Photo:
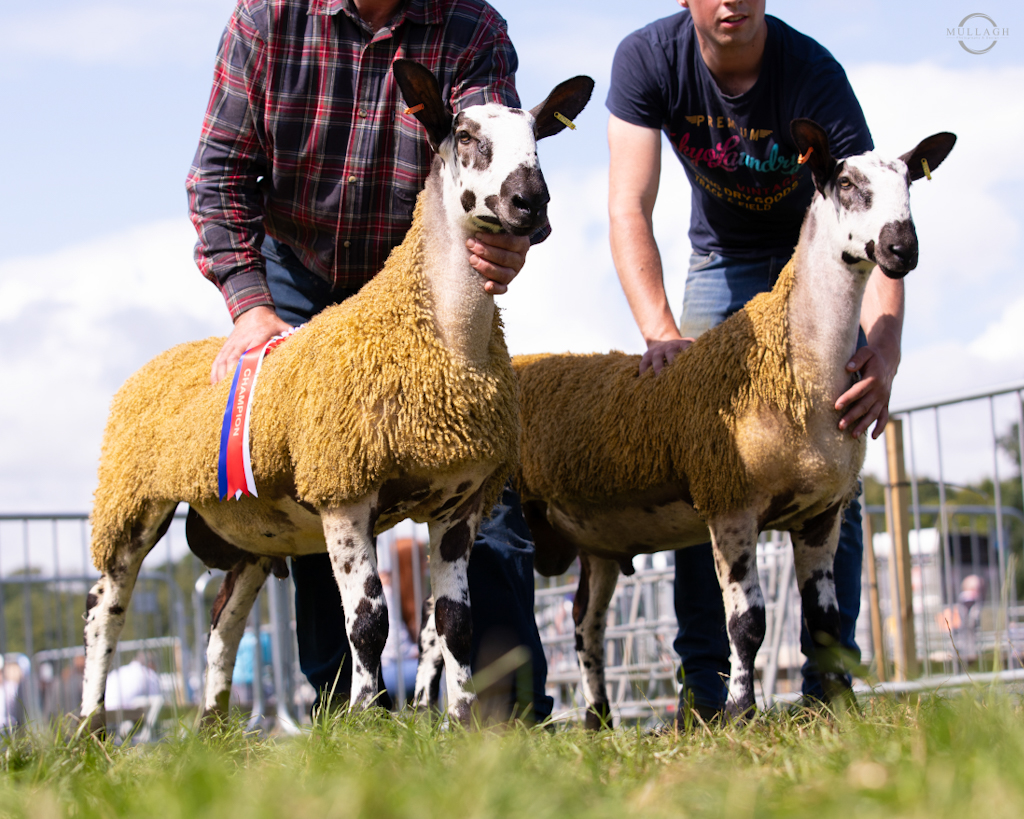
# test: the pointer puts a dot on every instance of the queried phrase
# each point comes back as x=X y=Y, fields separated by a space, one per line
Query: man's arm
x=881 y=316
x=634 y=172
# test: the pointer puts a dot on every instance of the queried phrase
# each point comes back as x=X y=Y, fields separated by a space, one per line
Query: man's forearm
x=638 y=264
x=881 y=315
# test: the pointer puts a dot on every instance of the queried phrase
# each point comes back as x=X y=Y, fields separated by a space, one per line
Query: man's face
x=726 y=23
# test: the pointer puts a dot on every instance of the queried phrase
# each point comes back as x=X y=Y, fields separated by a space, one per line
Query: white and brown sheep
x=398 y=403
x=738 y=435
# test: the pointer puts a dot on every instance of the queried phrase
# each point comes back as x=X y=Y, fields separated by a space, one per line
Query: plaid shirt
x=306 y=138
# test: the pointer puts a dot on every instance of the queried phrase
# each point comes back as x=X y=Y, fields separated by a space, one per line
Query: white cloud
x=76 y=323
x=1003 y=339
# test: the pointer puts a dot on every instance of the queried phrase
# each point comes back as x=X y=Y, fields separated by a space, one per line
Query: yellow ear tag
x=802 y=159
x=415 y=109
x=565 y=121
x=927 y=170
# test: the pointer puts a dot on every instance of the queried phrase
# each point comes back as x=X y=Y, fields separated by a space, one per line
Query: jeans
x=716 y=287
x=500 y=570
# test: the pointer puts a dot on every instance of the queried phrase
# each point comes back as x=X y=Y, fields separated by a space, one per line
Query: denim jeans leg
x=702 y=642
x=716 y=287
x=502 y=603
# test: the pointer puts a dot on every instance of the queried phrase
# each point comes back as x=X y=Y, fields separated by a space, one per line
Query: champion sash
x=234 y=467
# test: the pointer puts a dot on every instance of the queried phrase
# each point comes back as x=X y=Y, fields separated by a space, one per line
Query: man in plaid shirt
x=305 y=178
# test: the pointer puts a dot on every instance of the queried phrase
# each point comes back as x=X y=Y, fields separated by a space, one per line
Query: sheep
x=398 y=403
x=738 y=435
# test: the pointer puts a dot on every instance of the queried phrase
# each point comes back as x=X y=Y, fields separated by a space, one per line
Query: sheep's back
x=594 y=428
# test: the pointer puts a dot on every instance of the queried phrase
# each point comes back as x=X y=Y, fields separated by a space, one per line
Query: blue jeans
x=716 y=287
x=500 y=570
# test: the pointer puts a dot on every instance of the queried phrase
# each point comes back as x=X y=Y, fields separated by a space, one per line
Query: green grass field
x=961 y=756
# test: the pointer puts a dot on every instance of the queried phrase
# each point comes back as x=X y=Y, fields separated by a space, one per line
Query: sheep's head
x=871 y=196
x=493 y=180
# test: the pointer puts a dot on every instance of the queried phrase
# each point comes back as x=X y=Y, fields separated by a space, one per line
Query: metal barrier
x=46 y=572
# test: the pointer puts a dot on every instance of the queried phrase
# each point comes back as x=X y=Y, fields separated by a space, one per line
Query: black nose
x=897 y=248
x=530 y=204
x=906 y=253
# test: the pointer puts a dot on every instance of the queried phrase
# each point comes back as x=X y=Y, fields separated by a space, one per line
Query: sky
x=103 y=103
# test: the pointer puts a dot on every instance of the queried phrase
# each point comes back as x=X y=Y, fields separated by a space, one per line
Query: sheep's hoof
x=736 y=712
x=96 y=722
x=217 y=715
x=462 y=713
x=599 y=716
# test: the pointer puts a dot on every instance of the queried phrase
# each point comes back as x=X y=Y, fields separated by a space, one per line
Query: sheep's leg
x=428 y=671
x=353 y=551
x=734 y=543
x=105 y=608
x=451 y=540
x=814 y=550
x=590 y=613
x=230 y=612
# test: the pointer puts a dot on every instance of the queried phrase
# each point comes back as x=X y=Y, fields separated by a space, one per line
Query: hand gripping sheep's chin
x=736 y=436
x=398 y=403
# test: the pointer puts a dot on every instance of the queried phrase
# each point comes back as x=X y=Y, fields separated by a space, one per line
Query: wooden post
x=877 y=634
x=897 y=501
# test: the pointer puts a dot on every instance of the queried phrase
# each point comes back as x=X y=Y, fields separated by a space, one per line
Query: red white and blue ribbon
x=234 y=472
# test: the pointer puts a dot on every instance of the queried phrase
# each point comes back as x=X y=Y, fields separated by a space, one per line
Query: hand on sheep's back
x=253 y=328
x=498 y=257
x=662 y=353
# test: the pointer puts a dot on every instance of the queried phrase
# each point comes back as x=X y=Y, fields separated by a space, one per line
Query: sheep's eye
x=464 y=137
x=845 y=183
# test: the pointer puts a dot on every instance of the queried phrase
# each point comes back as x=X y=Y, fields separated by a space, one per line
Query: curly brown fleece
x=365 y=389
x=593 y=428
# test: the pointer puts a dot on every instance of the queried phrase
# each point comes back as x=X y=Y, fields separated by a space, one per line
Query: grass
x=932 y=758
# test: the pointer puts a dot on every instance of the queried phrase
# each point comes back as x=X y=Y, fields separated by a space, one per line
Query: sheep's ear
x=933 y=149
x=568 y=99
x=420 y=90
x=812 y=142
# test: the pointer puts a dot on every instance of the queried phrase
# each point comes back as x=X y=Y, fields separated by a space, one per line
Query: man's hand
x=254 y=327
x=662 y=353
x=498 y=257
x=867 y=401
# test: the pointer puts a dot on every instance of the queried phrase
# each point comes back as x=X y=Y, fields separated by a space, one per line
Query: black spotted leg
x=590 y=613
x=352 y=548
x=451 y=540
x=428 y=671
x=238 y=592
x=107 y=603
x=814 y=550
x=734 y=543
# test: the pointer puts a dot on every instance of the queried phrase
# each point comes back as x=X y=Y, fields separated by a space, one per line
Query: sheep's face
x=491 y=171
x=491 y=177
x=872 y=200
x=871 y=197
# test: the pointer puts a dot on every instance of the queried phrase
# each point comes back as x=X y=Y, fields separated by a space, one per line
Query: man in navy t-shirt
x=723 y=81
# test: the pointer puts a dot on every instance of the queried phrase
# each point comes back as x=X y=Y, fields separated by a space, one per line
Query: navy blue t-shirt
x=749 y=193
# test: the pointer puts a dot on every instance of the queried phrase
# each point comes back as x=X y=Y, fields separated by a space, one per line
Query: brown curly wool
x=364 y=390
x=593 y=428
